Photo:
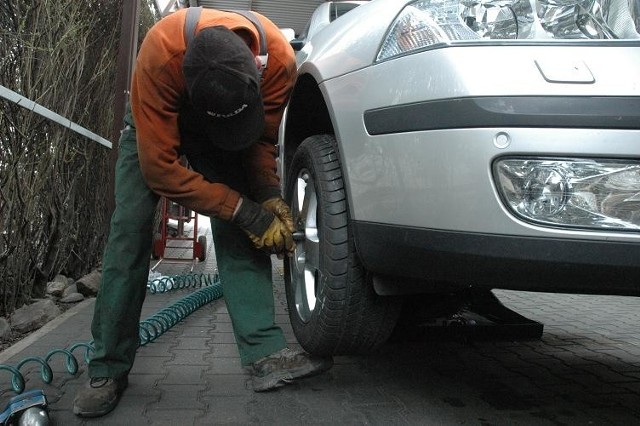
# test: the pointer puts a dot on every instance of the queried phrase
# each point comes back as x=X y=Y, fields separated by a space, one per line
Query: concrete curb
x=51 y=325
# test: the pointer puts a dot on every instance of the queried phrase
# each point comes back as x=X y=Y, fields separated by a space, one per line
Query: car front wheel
x=332 y=305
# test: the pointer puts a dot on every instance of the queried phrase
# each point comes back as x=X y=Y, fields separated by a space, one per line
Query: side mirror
x=296 y=44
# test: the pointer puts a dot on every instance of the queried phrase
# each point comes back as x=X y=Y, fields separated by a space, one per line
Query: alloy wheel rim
x=305 y=264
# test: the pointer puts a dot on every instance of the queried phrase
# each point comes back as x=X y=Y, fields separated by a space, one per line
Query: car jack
x=473 y=314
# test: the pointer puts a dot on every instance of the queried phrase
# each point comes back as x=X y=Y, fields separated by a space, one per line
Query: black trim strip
x=500 y=261
x=507 y=111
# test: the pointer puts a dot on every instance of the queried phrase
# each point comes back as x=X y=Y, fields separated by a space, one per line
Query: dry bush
x=61 y=54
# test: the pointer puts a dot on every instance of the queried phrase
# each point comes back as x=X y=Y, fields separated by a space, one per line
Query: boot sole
x=90 y=414
x=99 y=413
x=278 y=379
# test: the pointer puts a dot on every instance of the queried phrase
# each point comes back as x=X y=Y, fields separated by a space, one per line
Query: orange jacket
x=156 y=90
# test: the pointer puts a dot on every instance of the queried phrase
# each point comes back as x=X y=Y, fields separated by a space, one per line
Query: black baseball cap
x=224 y=88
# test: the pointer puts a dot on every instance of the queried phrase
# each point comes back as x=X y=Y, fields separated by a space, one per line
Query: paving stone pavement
x=584 y=370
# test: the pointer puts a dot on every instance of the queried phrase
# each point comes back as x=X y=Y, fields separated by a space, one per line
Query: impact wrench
x=26 y=409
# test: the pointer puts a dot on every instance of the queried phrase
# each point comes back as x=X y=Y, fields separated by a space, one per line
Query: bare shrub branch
x=61 y=54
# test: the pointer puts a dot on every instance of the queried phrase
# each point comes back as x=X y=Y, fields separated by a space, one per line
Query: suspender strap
x=193 y=16
x=256 y=23
x=263 y=55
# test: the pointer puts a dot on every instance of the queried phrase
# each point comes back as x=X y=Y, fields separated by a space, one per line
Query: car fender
x=334 y=53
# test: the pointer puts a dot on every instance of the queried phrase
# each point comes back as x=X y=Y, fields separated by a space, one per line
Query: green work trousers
x=245 y=272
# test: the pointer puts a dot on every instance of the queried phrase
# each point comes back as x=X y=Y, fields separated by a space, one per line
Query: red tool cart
x=173 y=235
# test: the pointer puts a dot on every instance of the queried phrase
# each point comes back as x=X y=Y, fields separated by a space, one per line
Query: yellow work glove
x=278 y=207
x=264 y=228
x=282 y=211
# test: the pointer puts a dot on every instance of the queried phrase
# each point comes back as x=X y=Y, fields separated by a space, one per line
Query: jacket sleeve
x=260 y=158
x=155 y=98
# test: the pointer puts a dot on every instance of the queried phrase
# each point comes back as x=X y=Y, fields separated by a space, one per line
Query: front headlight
x=583 y=193
x=428 y=23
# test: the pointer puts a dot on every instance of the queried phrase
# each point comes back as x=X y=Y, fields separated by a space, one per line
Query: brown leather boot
x=99 y=396
x=284 y=366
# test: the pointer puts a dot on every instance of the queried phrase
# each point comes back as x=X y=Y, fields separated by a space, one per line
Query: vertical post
x=127 y=51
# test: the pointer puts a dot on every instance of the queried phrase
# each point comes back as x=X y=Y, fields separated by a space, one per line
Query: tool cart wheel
x=157 y=250
x=201 y=251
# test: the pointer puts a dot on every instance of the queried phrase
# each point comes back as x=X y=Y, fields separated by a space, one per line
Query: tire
x=332 y=305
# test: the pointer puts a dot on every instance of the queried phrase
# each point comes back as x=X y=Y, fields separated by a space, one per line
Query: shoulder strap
x=190 y=23
x=193 y=16
x=256 y=23
x=263 y=54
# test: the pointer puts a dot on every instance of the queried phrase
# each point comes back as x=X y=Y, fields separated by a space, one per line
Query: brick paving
x=584 y=370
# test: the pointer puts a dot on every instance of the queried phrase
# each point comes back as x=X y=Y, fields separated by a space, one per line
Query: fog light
x=582 y=193
x=546 y=191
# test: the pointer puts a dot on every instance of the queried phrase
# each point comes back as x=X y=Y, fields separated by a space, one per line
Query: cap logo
x=231 y=114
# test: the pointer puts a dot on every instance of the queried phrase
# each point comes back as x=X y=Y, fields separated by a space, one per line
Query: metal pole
x=20 y=100
x=127 y=51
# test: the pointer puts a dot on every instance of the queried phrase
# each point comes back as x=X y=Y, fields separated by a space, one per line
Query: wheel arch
x=307 y=115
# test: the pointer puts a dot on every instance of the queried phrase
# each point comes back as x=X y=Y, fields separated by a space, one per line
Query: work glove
x=264 y=228
x=278 y=207
x=282 y=211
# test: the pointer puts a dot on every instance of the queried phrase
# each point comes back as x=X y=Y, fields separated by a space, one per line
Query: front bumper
x=430 y=211
x=417 y=153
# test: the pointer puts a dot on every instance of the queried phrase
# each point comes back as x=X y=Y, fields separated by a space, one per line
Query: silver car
x=435 y=146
